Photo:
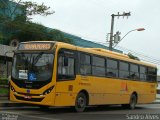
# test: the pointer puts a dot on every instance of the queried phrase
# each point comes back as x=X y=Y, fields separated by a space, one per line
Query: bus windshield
x=32 y=66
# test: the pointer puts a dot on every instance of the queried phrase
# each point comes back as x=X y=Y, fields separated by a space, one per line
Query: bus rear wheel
x=81 y=102
x=132 y=103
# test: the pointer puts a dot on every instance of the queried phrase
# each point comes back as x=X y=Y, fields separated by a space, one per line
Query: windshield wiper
x=35 y=59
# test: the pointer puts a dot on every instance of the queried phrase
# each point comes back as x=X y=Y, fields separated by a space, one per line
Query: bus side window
x=112 y=68
x=66 y=68
x=123 y=70
x=134 y=71
x=85 y=64
x=143 y=73
x=151 y=75
x=98 y=66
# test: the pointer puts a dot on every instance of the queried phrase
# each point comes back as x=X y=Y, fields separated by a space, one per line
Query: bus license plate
x=27 y=97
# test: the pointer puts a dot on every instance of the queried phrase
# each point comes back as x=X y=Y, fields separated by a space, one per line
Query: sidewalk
x=4 y=102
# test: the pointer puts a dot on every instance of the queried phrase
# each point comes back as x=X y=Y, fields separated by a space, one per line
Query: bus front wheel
x=81 y=102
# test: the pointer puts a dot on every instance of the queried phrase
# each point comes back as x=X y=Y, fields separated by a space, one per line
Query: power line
x=142 y=56
x=138 y=53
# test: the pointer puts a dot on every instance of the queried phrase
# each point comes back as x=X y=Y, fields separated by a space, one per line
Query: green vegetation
x=4 y=91
x=3 y=78
x=23 y=29
x=3 y=81
x=32 y=8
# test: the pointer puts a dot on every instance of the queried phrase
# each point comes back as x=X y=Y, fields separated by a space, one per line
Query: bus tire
x=81 y=102
x=132 y=103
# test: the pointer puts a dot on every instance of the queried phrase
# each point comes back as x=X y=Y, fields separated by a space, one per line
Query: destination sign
x=35 y=46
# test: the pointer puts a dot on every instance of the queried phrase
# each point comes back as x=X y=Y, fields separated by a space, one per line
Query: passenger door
x=66 y=74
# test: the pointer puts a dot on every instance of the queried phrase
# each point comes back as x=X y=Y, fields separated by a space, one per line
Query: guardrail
x=4 y=90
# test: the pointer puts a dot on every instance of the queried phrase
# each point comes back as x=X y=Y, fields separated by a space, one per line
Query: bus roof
x=105 y=53
x=97 y=51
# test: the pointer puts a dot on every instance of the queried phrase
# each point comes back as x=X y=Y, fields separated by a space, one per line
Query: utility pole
x=112 y=27
x=111 y=33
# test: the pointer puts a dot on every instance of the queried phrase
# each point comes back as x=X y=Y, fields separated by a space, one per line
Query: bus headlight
x=48 y=90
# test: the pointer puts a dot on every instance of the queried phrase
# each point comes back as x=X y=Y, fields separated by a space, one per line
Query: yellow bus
x=48 y=73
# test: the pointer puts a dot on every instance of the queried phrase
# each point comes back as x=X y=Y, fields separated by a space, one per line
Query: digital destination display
x=35 y=46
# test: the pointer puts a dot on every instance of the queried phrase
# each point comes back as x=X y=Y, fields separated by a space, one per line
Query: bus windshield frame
x=32 y=67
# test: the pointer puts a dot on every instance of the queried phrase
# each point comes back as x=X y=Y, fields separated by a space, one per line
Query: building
x=6 y=54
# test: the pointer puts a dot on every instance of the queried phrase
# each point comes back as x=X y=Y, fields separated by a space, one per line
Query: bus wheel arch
x=136 y=94
x=132 y=101
x=87 y=95
x=82 y=100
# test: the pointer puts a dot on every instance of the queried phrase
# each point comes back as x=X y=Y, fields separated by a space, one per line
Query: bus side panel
x=146 y=91
x=66 y=92
x=107 y=91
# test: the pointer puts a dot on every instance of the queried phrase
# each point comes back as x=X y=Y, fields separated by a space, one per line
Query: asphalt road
x=142 y=112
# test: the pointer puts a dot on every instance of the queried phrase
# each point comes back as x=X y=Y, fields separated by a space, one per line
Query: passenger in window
x=133 y=75
x=111 y=74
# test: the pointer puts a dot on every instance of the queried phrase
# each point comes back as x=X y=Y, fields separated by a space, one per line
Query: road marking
x=30 y=116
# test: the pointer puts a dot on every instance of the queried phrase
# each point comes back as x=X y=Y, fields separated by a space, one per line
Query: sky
x=91 y=20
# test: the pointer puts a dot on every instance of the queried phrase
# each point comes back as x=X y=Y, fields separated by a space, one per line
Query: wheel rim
x=81 y=102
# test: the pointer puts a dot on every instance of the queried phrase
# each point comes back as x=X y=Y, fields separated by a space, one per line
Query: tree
x=27 y=8
x=32 y=8
x=34 y=31
x=30 y=32
x=57 y=35
x=1 y=38
x=18 y=19
x=18 y=25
